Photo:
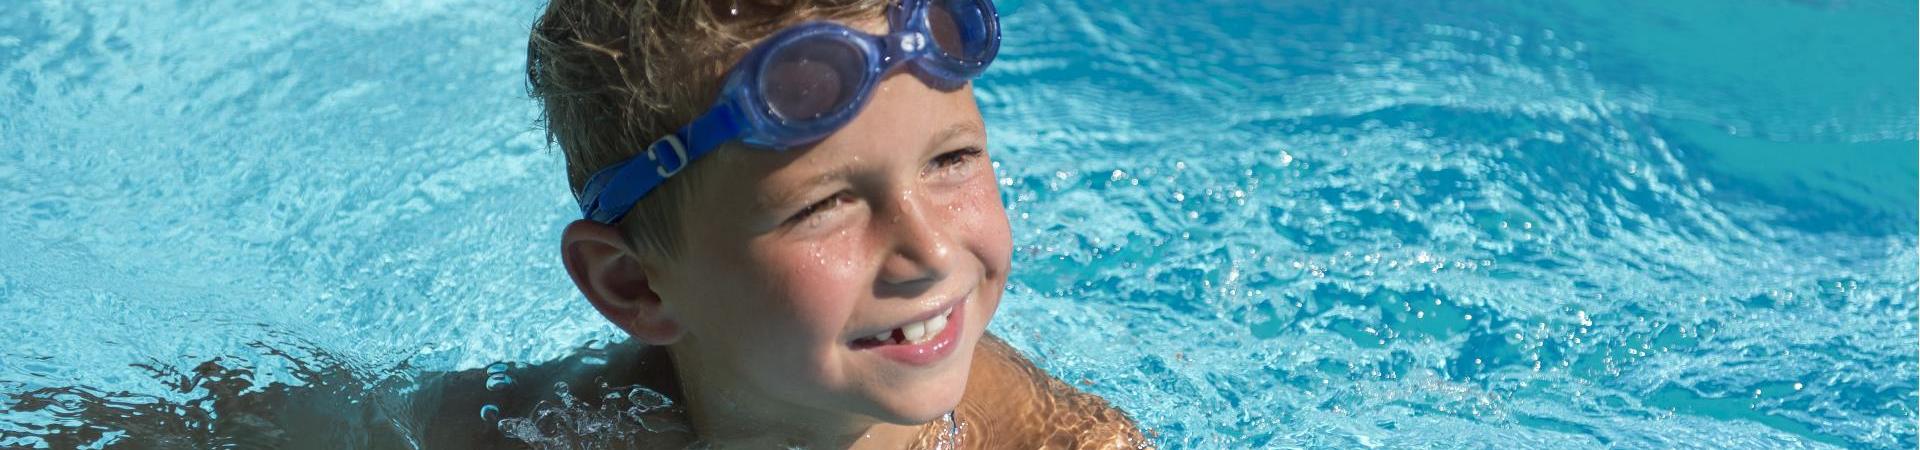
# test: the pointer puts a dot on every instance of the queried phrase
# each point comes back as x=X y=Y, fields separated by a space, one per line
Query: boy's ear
x=615 y=280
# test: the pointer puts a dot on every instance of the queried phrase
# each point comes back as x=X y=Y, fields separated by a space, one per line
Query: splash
x=622 y=417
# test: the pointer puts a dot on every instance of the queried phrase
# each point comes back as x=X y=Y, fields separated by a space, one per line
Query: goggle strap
x=663 y=159
x=718 y=126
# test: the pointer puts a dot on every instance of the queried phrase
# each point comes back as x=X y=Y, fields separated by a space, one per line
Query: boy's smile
x=922 y=340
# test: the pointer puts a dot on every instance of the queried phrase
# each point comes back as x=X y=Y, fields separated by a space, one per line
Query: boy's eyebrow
x=955 y=130
x=785 y=196
x=843 y=171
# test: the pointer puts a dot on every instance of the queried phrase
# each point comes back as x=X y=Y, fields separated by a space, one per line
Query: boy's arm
x=1014 y=404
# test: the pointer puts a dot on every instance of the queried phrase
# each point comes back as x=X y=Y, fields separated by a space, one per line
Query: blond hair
x=611 y=76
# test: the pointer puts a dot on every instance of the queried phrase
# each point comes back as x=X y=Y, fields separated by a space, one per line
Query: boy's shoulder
x=1012 y=403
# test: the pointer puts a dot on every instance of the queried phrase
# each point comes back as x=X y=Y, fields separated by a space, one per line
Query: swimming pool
x=1510 y=224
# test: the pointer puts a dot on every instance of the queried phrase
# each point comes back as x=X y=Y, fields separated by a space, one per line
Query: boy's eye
x=955 y=162
x=822 y=206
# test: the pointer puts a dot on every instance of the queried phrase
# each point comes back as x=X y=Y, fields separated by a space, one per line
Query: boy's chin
x=922 y=409
x=932 y=399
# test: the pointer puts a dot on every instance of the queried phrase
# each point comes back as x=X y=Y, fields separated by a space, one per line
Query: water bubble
x=566 y=395
x=498 y=367
x=499 y=381
x=490 y=413
x=645 y=400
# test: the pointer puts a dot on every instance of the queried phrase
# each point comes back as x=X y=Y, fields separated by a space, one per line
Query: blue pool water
x=1509 y=224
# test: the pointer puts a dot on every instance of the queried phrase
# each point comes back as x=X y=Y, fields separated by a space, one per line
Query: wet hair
x=611 y=76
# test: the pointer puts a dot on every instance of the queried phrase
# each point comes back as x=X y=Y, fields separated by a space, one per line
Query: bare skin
x=1009 y=403
x=1013 y=404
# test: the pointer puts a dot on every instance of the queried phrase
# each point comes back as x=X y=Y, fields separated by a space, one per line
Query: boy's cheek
x=814 y=280
x=830 y=261
x=988 y=222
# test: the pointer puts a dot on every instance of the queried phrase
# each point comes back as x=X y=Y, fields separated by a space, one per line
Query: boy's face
x=793 y=257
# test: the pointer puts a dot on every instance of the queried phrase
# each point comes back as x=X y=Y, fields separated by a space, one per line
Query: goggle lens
x=960 y=28
x=811 y=79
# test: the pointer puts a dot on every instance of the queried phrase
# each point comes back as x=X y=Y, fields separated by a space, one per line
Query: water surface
x=1581 y=224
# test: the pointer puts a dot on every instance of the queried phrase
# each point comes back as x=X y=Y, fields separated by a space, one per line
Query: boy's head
x=787 y=279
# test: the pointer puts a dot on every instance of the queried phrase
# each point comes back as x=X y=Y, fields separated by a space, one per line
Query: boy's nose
x=920 y=252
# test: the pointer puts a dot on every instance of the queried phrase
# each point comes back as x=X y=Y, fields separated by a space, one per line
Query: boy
x=793 y=199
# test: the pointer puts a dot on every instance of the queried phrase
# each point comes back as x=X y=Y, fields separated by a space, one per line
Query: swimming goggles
x=801 y=84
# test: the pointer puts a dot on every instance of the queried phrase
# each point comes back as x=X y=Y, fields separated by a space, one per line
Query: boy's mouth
x=919 y=332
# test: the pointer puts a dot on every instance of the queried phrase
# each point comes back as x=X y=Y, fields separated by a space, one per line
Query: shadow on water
x=219 y=405
x=1867 y=188
x=325 y=403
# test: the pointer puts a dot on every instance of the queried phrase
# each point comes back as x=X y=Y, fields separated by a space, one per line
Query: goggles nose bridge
x=902 y=46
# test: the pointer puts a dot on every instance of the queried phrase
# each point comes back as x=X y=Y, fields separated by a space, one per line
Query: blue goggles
x=802 y=84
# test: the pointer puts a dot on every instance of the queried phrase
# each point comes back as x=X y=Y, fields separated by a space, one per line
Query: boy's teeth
x=936 y=325
x=916 y=331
